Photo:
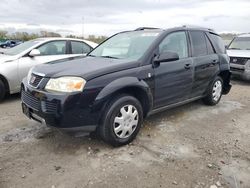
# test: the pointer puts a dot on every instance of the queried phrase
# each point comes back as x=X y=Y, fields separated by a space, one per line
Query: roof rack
x=199 y=27
x=145 y=28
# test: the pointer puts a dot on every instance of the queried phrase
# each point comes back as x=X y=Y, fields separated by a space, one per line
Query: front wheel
x=2 y=90
x=214 y=92
x=122 y=121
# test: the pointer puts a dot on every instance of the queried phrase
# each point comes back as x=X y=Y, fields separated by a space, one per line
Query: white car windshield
x=128 y=45
x=21 y=47
x=240 y=43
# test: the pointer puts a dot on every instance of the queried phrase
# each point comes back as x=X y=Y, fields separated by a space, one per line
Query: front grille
x=31 y=101
x=36 y=104
x=49 y=107
x=239 y=60
x=35 y=80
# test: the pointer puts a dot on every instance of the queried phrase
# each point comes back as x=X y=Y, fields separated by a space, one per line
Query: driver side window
x=53 y=48
x=175 y=42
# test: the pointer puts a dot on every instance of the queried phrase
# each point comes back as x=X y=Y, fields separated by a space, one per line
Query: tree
x=3 y=34
x=49 y=34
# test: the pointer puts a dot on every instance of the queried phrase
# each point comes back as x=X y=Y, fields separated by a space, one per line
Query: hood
x=86 y=67
x=6 y=58
x=238 y=53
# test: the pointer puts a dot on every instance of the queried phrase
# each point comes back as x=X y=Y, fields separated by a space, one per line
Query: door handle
x=187 y=66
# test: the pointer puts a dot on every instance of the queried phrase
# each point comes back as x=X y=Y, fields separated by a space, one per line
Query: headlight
x=248 y=64
x=66 y=84
x=29 y=75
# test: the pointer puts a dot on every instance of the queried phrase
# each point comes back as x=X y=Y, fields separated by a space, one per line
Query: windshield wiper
x=91 y=55
x=111 y=57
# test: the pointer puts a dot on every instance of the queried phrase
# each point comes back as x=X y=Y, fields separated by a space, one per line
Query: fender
x=123 y=83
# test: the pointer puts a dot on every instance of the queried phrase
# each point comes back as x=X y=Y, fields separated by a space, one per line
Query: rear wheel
x=214 y=92
x=122 y=121
x=2 y=90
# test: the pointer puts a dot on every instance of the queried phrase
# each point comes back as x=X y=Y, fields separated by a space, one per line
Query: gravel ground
x=189 y=146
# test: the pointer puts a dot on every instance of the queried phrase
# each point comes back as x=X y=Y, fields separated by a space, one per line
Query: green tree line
x=25 y=36
x=93 y=38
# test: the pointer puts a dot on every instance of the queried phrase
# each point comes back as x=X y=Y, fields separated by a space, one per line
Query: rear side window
x=217 y=43
x=198 y=43
x=210 y=49
x=80 y=47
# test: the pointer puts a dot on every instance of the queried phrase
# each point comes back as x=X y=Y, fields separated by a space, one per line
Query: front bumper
x=240 y=70
x=70 y=112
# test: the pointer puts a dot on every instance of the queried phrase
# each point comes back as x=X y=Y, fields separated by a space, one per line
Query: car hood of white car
x=7 y=58
x=239 y=53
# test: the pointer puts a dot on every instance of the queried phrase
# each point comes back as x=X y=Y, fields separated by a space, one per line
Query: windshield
x=240 y=43
x=129 y=45
x=21 y=47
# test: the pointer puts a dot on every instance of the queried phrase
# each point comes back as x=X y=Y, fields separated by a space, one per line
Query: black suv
x=131 y=75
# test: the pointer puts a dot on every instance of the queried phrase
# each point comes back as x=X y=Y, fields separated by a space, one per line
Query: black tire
x=210 y=99
x=113 y=110
x=2 y=90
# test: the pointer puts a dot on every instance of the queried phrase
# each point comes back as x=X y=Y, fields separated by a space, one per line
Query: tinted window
x=79 y=48
x=53 y=48
x=210 y=49
x=217 y=43
x=198 y=43
x=175 y=42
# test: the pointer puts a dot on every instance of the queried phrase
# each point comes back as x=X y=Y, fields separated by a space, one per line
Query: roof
x=92 y=44
x=185 y=27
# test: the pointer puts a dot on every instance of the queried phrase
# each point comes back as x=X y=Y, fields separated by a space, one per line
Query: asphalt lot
x=189 y=146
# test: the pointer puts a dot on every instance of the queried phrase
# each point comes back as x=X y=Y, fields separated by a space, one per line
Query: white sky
x=106 y=17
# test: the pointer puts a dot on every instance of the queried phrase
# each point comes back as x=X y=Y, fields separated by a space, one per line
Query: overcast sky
x=106 y=17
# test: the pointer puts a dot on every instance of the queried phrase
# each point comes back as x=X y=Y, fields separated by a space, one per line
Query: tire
x=214 y=92
x=2 y=90
x=121 y=121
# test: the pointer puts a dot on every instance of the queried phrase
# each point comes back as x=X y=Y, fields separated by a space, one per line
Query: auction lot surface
x=189 y=146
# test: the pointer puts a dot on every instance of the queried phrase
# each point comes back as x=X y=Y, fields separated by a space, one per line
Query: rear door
x=206 y=62
x=173 y=80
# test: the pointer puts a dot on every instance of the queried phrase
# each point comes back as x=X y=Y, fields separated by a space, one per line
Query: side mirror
x=166 y=57
x=34 y=52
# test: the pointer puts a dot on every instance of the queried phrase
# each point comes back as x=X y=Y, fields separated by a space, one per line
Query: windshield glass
x=129 y=45
x=240 y=43
x=21 y=47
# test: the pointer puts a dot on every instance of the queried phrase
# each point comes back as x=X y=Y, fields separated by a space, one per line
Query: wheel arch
x=6 y=83
x=130 y=86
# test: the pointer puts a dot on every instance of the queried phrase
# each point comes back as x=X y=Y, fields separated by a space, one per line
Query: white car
x=239 y=53
x=16 y=62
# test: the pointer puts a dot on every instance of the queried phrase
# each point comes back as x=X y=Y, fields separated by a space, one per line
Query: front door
x=50 y=51
x=173 y=80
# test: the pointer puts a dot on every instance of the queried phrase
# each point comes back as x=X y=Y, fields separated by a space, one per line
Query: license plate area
x=26 y=110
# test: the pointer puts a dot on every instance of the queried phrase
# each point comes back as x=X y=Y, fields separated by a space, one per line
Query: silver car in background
x=16 y=62
x=239 y=53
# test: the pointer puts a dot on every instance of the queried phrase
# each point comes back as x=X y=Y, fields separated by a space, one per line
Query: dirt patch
x=189 y=146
